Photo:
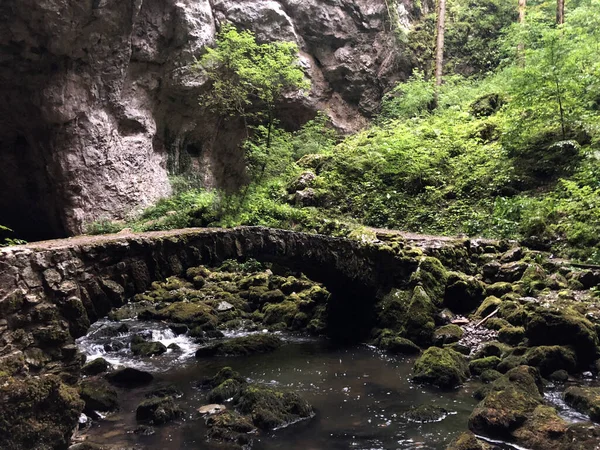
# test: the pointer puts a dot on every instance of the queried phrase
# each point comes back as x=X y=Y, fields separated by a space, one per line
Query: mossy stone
x=467 y=441
x=425 y=414
x=158 y=410
x=280 y=313
x=441 y=367
x=478 y=366
x=98 y=396
x=488 y=306
x=242 y=346
x=489 y=375
x=499 y=288
x=511 y=335
x=129 y=377
x=140 y=347
x=584 y=399
x=432 y=276
x=397 y=345
x=551 y=358
x=447 y=334
x=230 y=426
x=463 y=293
x=419 y=322
x=95 y=367
x=270 y=408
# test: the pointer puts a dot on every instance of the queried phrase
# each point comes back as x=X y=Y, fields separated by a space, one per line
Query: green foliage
x=243 y=72
x=6 y=239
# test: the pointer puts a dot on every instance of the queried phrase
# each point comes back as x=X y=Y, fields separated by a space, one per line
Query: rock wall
x=97 y=101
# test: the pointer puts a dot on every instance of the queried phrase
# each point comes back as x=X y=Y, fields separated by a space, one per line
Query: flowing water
x=360 y=395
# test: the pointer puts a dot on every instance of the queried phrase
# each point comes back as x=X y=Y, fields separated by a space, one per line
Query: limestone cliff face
x=98 y=104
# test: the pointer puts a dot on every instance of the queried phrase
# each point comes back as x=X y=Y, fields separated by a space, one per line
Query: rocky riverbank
x=512 y=318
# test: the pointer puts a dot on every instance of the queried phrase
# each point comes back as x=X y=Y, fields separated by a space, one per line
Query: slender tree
x=521 y=46
x=439 y=46
x=560 y=11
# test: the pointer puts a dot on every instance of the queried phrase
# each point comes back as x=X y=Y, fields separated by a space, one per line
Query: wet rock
x=463 y=293
x=211 y=409
x=511 y=335
x=246 y=345
x=551 y=358
x=448 y=334
x=586 y=400
x=432 y=276
x=426 y=414
x=444 y=368
x=191 y=314
x=174 y=348
x=499 y=289
x=419 y=322
x=512 y=255
x=270 y=408
x=165 y=391
x=280 y=313
x=158 y=410
x=144 y=430
x=511 y=272
x=140 y=347
x=230 y=426
x=490 y=375
x=398 y=345
x=225 y=306
x=563 y=327
x=488 y=306
x=178 y=328
x=37 y=410
x=98 y=396
x=508 y=404
x=478 y=366
x=559 y=376
x=129 y=377
x=467 y=441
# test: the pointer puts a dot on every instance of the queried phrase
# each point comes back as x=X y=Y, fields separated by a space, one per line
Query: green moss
x=466 y=441
x=140 y=347
x=586 y=400
x=273 y=296
x=246 y=345
x=425 y=414
x=158 y=410
x=432 y=276
x=563 y=327
x=225 y=391
x=441 y=367
x=183 y=312
x=499 y=288
x=478 y=366
x=551 y=358
x=280 y=313
x=270 y=408
x=98 y=396
x=419 y=321
x=447 y=334
x=489 y=375
x=511 y=335
x=230 y=426
x=36 y=410
x=463 y=293
x=395 y=344
x=488 y=306
x=95 y=367
x=392 y=309
x=495 y=323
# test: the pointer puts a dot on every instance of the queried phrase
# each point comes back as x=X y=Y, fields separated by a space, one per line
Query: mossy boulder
x=230 y=427
x=508 y=404
x=37 y=412
x=493 y=348
x=490 y=375
x=463 y=293
x=183 y=312
x=225 y=391
x=158 y=410
x=98 y=396
x=447 y=334
x=270 y=408
x=425 y=414
x=584 y=399
x=488 y=306
x=242 y=346
x=467 y=441
x=496 y=323
x=548 y=359
x=499 y=288
x=478 y=366
x=95 y=367
x=419 y=322
x=280 y=313
x=398 y=345
x=563 y=327
x=432 y=276
x=511 y=335
x=392 y=309
x=140 y=347
x=441 y=367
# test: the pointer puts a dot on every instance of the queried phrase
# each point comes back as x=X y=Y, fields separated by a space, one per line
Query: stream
x=360 y=395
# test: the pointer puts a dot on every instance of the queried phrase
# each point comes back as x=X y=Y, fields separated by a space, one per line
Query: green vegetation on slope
x=514 y=154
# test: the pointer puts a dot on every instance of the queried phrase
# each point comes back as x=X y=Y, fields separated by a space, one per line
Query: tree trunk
x=522 y=6
x=521 y=46
x=560 y=11
x=439 y=48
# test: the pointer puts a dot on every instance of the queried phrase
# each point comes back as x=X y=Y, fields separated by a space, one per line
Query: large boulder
x=584 y=399
x=463 y=293
x=441 y=367
x=98 y=396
